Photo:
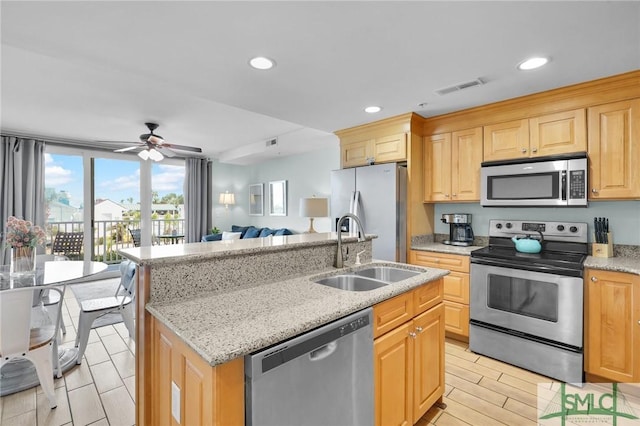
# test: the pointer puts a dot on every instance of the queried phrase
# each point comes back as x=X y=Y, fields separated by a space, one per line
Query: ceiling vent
x=271 y=142
x=461 y=86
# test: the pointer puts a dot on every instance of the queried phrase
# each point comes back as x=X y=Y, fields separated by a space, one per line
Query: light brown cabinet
x=452 y=166
x=456 y=288
x=614 y=150
x=612 y=325
x=408 y=355
x=551 y=134
x=384 y=149
x=207 y=395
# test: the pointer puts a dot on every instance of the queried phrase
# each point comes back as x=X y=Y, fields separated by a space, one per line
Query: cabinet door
x=466 y=156
x=456 y=318
x=356 y=153
x=393 y=376
x=612 y=332
x=614 y=150
x=437 y=167
x=506 y=140
x=559 y=133
x=456 y=287
x=428 y=361
x=390 y=148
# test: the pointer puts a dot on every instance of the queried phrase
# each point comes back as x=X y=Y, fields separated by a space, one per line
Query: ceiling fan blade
x=129 y=148
x=182 y=147
x=165 y=151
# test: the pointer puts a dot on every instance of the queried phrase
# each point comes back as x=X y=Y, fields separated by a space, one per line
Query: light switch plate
x=175 y=401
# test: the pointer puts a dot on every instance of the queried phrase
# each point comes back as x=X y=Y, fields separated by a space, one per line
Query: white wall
x=306 y=174
x=624 y=217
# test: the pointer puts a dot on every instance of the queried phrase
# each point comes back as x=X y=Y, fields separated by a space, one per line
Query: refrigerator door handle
x=353 y=226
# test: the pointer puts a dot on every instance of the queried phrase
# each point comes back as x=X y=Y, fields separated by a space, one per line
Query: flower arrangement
x=23 y=233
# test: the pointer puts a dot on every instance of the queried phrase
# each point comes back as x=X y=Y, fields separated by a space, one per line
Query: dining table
x=20 y=374
x=172 y=238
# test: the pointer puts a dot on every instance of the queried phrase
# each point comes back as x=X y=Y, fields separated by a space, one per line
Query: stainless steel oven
x=527 y=308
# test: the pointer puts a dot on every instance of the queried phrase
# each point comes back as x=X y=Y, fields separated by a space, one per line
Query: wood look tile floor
x=479 y=390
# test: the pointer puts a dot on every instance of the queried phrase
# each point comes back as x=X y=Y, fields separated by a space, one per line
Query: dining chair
x=47 y=298
x=19 y=340
x=68 y=244
x=121 y=302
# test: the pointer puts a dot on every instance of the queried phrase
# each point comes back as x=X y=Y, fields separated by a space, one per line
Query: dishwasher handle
x=323 y=352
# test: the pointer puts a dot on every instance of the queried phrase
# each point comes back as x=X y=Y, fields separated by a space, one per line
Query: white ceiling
x=97 y=71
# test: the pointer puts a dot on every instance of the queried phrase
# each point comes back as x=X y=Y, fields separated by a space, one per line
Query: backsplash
x=624 y=217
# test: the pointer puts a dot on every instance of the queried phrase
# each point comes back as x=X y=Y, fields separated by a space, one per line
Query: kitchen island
x=203 y=306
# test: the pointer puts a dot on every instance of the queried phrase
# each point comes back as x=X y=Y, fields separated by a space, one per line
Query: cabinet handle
x=455 y=195
x=594 y=279
x=595 y=191
x=446 y=195
x=524 y=150
x=534 y=149
x=419 y=329
x=412 y=334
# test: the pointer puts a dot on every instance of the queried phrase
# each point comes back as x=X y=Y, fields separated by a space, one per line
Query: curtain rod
x=80 y=143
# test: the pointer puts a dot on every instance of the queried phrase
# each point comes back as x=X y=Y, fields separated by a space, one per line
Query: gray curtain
x=22 y=173
x=198 y=199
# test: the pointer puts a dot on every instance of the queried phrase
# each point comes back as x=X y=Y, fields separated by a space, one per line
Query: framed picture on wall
x=278 y=198
x=256 y=200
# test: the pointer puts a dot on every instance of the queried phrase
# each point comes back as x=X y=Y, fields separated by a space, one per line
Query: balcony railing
x=112 y=235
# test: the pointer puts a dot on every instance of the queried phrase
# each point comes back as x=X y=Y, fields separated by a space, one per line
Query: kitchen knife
x=596 y=229
x=606 y=231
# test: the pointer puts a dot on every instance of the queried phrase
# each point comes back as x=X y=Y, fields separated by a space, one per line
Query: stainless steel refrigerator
x=378 y=196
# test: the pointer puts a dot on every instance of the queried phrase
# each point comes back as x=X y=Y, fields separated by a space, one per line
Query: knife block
x=603 y=250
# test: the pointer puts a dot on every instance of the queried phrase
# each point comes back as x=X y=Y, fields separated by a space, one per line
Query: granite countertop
x=629 y=265
x=445 y=248
x=178 y=253
x=224 y=326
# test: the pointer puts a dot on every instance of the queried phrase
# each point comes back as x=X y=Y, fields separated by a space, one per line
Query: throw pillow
x=252 y=232
x=283 y=231
x=231 y=235
x=241 y=229
x=265 y=232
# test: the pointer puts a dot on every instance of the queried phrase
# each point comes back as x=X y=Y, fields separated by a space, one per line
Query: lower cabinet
x=612 y=326
x=186 y=390
x=409 y=356
x=456 y=288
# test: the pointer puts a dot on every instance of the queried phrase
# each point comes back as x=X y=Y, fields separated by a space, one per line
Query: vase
x=23 y=261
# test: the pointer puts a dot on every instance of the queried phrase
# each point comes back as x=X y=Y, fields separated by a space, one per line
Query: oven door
x=537 y=304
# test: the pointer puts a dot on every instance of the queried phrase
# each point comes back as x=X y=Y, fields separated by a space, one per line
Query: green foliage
x=215 y=230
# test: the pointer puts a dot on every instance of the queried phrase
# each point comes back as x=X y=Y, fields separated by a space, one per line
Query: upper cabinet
x=550 y=134
x=452 y=166
x=384 y=141
x=614 y=150
x=383 y=149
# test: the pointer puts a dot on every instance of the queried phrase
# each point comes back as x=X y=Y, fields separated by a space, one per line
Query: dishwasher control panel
x=354 y=325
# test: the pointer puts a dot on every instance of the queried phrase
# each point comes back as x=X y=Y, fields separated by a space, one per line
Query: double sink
x=368 y=278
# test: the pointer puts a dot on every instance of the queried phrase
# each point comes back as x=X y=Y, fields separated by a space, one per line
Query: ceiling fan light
x=155 y=155
x=144 y=154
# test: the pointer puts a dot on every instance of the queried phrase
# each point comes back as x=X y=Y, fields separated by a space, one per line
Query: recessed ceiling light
x=262 y=63
x=372 y=109
x=532 y=63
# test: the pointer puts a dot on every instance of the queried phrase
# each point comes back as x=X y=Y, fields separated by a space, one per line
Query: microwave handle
x=564 y=185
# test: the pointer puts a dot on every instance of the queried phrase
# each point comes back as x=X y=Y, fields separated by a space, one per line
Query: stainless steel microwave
x=553 y=181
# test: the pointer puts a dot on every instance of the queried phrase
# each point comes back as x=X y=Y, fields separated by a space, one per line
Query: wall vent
x=271 y=142
x=460 y=86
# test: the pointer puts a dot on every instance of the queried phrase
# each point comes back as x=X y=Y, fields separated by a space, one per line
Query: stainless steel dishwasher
x=323 y=377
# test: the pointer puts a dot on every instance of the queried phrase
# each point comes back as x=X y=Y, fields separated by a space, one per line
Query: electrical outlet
x=175 y=402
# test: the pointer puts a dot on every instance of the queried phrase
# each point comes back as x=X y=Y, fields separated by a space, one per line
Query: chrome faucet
x=339 y=259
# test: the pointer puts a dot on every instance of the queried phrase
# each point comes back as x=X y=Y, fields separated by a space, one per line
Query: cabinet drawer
x=456 y=318
x=427 y=296
x=391 y=313
x=456 y=287
x=452 y=262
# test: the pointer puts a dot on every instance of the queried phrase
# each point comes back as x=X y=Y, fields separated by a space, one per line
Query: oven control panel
x=553 y=231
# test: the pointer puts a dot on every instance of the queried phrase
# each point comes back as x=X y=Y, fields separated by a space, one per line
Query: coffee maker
x=460 y=232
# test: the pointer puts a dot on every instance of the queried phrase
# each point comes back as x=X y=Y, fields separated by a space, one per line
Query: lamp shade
x=314 y=207
x=227 y=198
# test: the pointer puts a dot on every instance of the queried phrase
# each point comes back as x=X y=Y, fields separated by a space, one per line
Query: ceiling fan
x=154 y=146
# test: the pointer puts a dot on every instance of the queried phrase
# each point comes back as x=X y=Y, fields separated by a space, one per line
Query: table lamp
x=312 y=208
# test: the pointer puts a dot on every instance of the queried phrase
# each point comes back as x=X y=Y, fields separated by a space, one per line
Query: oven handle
x=564 y=185
x=503 y=263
